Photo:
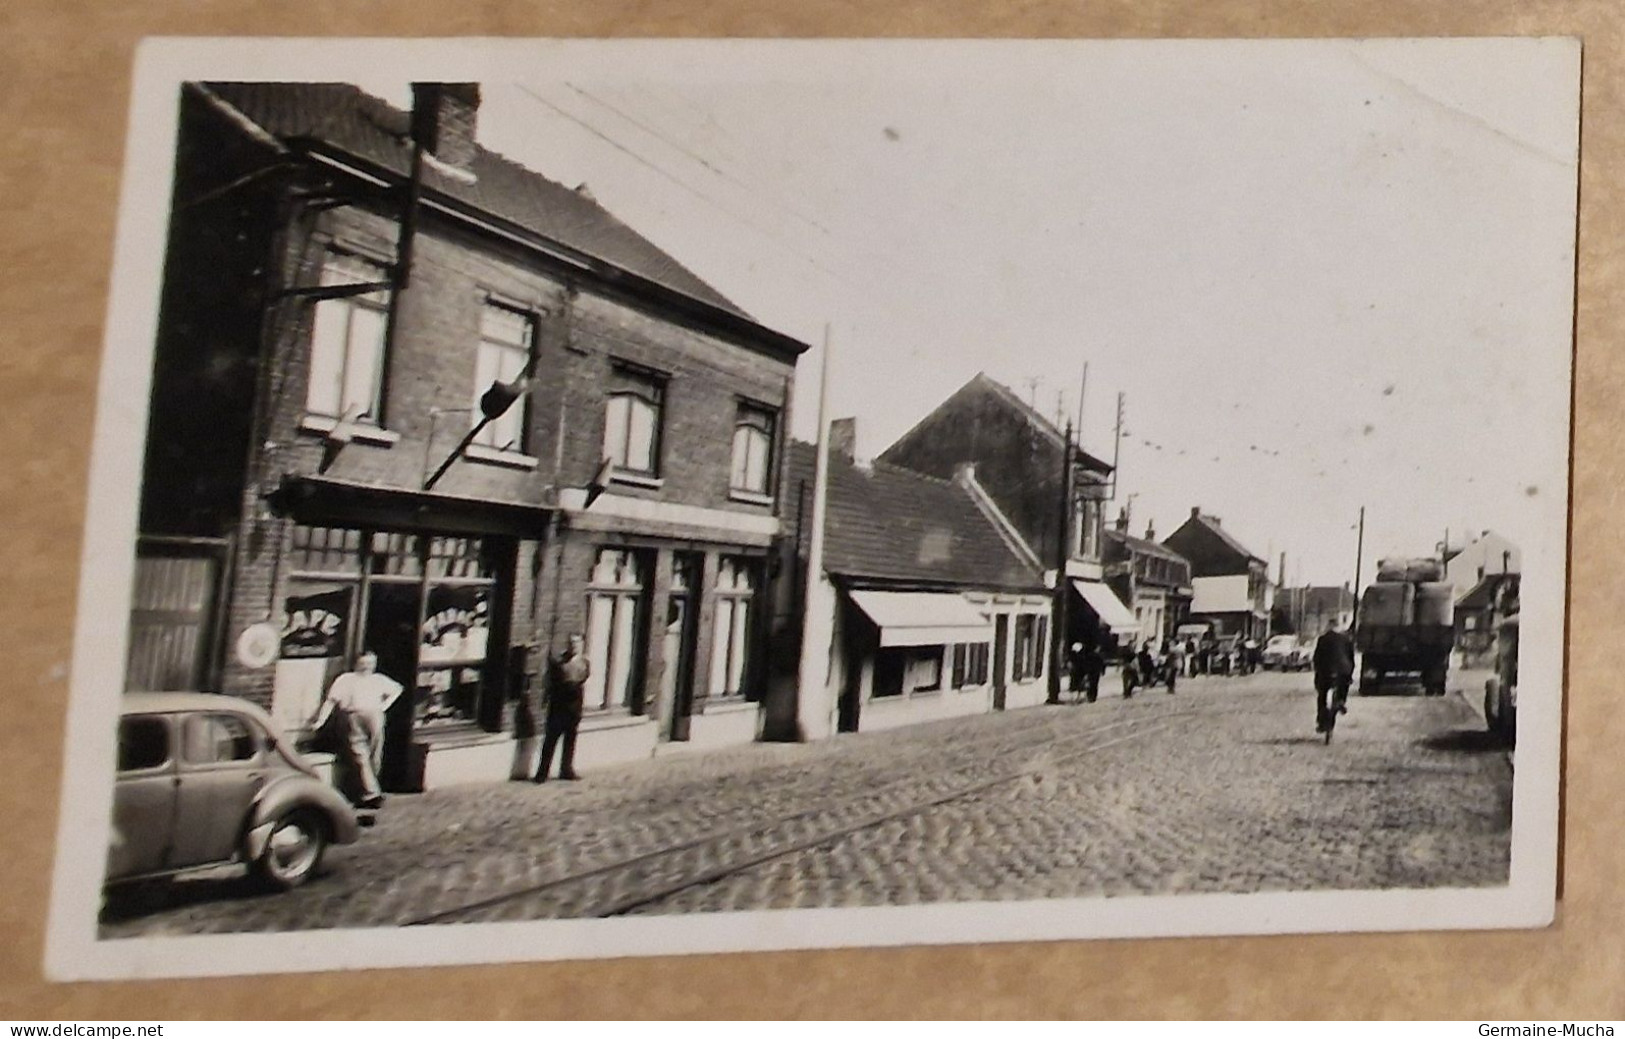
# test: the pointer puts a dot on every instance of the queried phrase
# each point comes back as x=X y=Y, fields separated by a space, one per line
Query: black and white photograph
x=559 y=499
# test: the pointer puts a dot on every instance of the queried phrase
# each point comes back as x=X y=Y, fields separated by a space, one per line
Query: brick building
x=938 y=610
x=1151 y=578
x=1051 y=492
x=412 y=396
x=1230 y=585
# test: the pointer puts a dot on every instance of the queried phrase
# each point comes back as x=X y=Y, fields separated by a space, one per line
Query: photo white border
x=73 y=949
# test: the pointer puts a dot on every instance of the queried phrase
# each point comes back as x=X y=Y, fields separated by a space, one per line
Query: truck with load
x=1406 y=625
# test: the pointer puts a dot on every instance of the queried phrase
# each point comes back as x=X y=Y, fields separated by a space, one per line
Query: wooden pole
x=815 y=710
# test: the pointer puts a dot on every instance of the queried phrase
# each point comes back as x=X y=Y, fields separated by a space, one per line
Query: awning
x=1107 y=606
x=1188 y=630
x=923 y=618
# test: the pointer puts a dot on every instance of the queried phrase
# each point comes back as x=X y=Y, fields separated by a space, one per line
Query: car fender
x=297 y=791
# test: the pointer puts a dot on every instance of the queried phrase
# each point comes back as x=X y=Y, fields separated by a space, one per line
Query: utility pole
x=1359 y=554
x=1117 y=444
x=816 y=713
x=1286 y=592
x=1058 y=636
x=1083 y=388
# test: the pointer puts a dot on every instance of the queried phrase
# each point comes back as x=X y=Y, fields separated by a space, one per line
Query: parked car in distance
x=1501 y=689
x=1286 y=653
x=1303 y=654
x=203 y=780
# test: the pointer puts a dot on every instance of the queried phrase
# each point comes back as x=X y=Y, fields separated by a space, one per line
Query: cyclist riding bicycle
x=1334 y=670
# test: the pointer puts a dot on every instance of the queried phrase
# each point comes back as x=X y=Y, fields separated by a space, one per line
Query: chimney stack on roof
x=1121 y=524
x=1150 y=531
x=444 y=117
x=843 y=439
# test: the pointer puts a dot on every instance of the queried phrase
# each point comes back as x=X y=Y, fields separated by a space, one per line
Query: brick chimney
x=1150 y=531
x=843 y=439
x=1121 y=523
x=444 y=117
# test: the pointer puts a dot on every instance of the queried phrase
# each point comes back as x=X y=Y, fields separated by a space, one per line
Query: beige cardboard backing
x=64 y=87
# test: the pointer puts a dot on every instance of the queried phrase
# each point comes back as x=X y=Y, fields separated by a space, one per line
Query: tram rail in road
x=1138 y=728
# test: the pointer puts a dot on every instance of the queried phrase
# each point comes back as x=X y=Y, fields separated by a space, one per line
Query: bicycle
x=1339 y=705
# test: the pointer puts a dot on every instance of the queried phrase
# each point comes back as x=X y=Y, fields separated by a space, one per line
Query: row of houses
x=414 y=398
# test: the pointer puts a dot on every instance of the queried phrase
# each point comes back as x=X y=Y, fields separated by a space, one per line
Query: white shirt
x=364 y=694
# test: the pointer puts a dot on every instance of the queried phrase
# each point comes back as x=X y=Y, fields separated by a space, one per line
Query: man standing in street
x=565 y=689
x=1334 y=670
x=360 y=698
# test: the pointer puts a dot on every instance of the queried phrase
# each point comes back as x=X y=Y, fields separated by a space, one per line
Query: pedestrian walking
x=1094 y=665
x=356 y=704
x=1146 y=665
x=565 y=692
x=1334 y=670
x=1176 y=662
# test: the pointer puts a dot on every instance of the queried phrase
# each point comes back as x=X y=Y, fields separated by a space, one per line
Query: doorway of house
x=677 y=681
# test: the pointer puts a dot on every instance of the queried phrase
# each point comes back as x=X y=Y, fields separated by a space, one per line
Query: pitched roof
x=888 y=523
x=1212 y=525
x=343 y=118
x=1032 y=416
x=1150 y=548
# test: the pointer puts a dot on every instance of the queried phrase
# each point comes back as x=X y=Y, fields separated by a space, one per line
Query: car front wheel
x=294 y=849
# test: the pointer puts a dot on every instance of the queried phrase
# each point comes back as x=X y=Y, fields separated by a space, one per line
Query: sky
x=1322 y=275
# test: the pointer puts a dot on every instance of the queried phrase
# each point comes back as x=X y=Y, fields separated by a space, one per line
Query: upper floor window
x=632 y=421
x=752 y=449
x=347 y=344
x=506 y=340
x=1086 y=535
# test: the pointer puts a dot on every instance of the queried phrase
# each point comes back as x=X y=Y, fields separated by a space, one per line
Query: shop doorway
x=392 y=633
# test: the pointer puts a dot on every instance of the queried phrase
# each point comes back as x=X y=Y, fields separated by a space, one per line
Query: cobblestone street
x=1224 y=787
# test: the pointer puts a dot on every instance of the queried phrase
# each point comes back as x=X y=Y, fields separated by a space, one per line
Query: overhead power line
x=668 y=175
x=697 y=157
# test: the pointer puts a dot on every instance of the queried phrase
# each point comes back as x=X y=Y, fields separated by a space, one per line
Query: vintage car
x=1501 y=689
x=203 y=780
x=1287 y=653
x=1303 y=655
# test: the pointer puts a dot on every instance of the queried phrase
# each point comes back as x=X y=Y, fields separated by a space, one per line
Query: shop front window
x=730 y=640
x=424 y=604
x=615 y=594
x=452 y=653
x=905 y=670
